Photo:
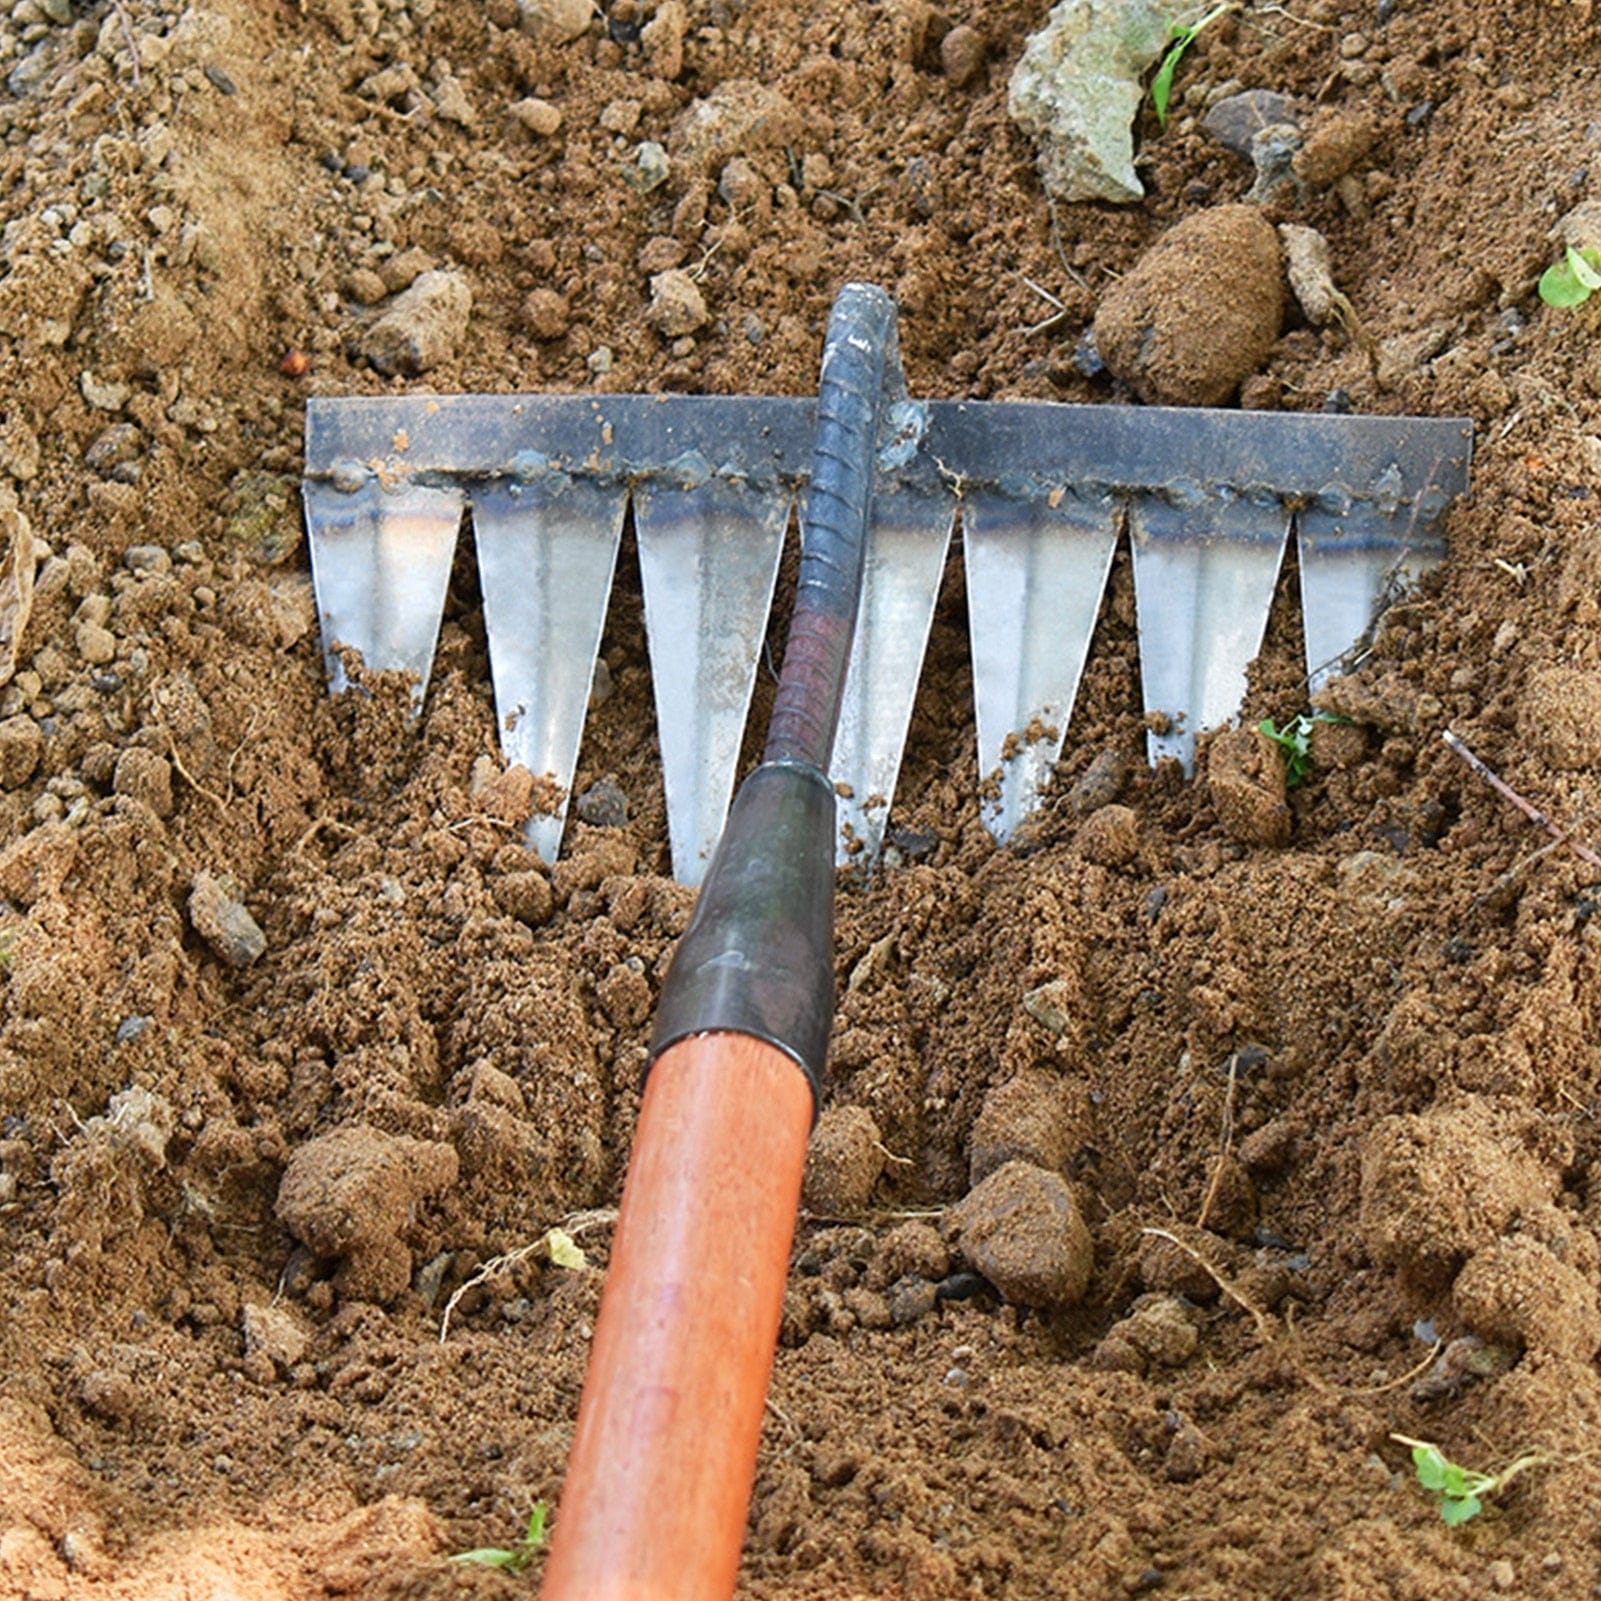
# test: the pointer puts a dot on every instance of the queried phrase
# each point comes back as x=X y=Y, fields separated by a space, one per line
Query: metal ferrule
x=757 y=958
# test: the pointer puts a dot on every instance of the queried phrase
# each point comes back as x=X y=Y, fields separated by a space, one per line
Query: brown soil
x=293 y=1037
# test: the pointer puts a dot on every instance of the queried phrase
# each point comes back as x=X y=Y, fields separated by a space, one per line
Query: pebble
x=424 y=327
x=555 y=21
x=1021 y=1228
x=961 y=55
x=677 y=306
x=21 y=746
x=651 y=168
x=223 y=922
x=103 y=395
x=147 y=559
x=1237 y=119
x=539 y=117
x=603 y=805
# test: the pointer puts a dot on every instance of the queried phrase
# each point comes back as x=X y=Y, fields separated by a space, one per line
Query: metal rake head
x=1209 y=499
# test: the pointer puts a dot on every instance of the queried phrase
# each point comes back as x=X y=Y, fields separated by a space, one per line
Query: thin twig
x=1265 y=1326
x=128 y=39
x=1395 y=1384
x=1507 y=793
x=1228 y=1140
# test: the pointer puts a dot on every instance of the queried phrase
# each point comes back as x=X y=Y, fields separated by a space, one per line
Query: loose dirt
x=295 y=1036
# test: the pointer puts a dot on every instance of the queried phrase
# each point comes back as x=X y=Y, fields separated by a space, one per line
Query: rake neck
x=860 y=351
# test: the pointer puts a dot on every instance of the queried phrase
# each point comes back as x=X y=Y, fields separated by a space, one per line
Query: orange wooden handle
x=659 y=1481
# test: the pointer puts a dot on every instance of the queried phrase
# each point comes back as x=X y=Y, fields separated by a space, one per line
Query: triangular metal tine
x=546 y=552
x=1352 y=565
x=1036 y=569
x=906 y=546
x=708 y=559
x=1204 y=575
x=380 y=565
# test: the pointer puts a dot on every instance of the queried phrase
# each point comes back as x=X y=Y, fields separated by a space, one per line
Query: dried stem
x=1529 y=810
x=1228 y=1141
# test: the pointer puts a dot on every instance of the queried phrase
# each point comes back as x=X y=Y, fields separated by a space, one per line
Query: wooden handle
x=659 y=1481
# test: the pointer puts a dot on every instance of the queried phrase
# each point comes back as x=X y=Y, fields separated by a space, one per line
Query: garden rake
x=1209 y=500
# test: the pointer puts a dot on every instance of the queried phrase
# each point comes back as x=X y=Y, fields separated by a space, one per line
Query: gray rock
x=223 y=922
x=25 y=78
x=1021 y=1228
x=1077 y=90
x=1235 y=121
x=603 y=805
x=423 y=328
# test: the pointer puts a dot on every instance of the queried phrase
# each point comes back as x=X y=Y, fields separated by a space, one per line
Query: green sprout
x=514 y=1558
x=1180 y=40
x=1295 y=741
x=1459 y=1492
x=1571 y=281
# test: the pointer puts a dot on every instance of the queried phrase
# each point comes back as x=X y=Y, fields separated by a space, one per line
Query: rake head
x=1209 y=499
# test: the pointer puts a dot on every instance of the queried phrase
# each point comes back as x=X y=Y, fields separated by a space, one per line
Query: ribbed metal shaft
x=834 y=527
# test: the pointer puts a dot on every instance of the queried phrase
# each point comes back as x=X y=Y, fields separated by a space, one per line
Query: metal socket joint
x=757 y=958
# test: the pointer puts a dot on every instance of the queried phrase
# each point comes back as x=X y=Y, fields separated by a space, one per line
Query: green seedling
x=1571 y=281
x=1180 y=39
x=511 y=1558
x=1295 y=741
x=1459 y=1492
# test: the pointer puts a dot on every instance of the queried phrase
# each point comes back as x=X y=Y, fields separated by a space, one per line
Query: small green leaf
x=565 y=1250
x=513 y=1559
x=492 y=1556
x=1559 y=286
x=1183 y=38
x=1162 y=83
x=1430 y=1466
x=1585 y=265
x=1457 y=1510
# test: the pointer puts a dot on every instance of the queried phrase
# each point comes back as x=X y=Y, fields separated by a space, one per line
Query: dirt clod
x=1021 y=1228
x=1245 y=777
x=1199 y=312
x=843 y=1162
x=423 y=328
x=1517 y=1292
x=353 y=1195
x=1440 y=1186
